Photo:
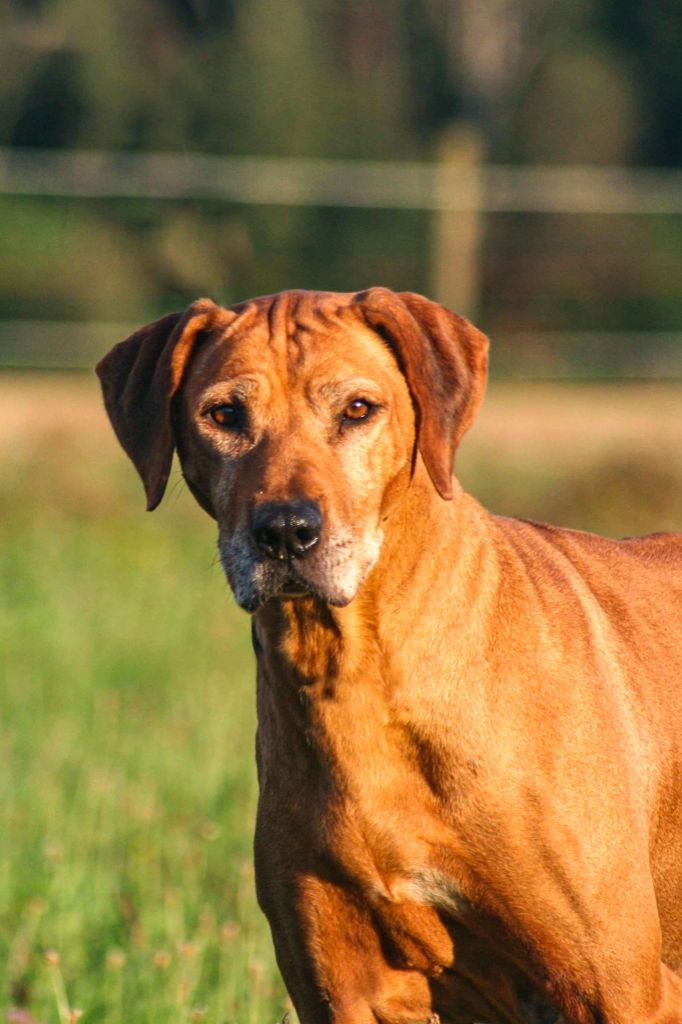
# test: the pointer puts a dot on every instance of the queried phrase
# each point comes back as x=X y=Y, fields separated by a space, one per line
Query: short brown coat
x=471 y=769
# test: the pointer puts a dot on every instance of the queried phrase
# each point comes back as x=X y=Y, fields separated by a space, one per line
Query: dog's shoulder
x=637 y=578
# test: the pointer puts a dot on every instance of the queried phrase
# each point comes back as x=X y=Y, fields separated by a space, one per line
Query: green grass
x=127 y=783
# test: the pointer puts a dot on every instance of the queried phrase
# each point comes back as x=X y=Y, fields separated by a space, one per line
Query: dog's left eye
x=229 y=415
x=357 y=410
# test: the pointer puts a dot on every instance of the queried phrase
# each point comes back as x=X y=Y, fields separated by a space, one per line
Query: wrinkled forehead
x=295 y=337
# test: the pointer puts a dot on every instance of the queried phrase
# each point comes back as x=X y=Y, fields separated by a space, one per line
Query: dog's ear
x=443 y=358
x=139 y=378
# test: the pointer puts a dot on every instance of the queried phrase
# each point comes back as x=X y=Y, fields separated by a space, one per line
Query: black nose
x=286 y=528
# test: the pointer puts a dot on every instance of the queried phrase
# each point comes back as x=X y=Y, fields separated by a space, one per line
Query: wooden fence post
x=457 y=232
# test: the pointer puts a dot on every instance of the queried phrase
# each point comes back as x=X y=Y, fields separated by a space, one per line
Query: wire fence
x=456 y=194
x=341 y=183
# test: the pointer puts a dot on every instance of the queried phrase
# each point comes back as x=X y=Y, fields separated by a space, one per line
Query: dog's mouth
x=330 y=574
x=298 y=581
x=280 y=581
x=293 y=586
x=275 y=581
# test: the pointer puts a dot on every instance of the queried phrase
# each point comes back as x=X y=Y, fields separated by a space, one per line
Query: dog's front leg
x=334 y=963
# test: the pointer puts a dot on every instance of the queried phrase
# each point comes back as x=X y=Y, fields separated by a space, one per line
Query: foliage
x=330 y=78
x=592 y=81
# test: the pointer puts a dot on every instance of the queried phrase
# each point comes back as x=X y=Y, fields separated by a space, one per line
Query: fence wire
x=341 y=183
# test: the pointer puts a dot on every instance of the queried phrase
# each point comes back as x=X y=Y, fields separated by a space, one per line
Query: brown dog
x=470 y=728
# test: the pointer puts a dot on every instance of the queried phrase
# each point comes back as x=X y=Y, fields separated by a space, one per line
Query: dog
x=469 y=741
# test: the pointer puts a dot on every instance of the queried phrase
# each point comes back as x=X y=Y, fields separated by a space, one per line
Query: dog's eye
x=229 y=415
x=356 y=411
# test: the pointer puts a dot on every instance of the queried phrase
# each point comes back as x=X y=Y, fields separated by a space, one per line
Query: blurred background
x=517 y=160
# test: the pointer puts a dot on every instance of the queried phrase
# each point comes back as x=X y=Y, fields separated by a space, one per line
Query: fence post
x=455 y=258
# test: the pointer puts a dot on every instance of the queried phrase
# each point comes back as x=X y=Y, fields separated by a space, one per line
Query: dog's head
x=298 y=418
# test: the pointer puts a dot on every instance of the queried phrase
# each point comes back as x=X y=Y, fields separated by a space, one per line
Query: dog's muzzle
x=283 y=550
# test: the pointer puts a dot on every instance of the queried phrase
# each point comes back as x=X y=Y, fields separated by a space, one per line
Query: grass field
x=126 y=729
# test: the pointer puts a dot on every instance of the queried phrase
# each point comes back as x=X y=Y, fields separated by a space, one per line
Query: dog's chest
x=386 y=806
x=392 y=817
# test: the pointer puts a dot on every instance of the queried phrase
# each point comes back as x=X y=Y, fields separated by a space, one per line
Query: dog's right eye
x=228 y=416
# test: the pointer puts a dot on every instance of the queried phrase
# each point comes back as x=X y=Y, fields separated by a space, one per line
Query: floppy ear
x=444 y=359
x=139 y=378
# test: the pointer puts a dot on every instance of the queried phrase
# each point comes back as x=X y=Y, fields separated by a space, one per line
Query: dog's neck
x=319 y=649
x=339 y=694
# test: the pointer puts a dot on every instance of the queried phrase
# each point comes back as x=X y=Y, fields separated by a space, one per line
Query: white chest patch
x=431 y=888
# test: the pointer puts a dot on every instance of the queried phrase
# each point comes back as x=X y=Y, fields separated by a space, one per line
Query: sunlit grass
x=127 y=784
